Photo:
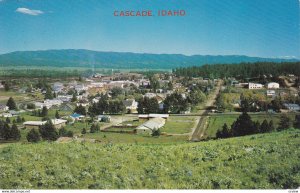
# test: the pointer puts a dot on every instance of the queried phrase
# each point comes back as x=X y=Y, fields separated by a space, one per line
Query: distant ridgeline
x=119 y=60
x=243 y=69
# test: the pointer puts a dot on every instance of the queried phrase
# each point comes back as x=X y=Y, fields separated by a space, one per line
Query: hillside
x=119 y=60
x=260 y=161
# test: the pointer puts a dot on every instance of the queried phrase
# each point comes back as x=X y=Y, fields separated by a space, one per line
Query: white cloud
x=29 y=11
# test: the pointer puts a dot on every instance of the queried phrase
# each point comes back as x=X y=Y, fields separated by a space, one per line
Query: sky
x=263 y=28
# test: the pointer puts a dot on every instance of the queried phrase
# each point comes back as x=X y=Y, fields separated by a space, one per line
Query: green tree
x=284 y=123
x=7 y=120
x=49 y=94
x=15 y=133
x=44 y=112
x=264 y=127
x=57 y=116
x=224 y=133
x=297 y=122
x=74 y=97
x=156 y=133
x=6 y=131
x=80 y=110
x=11 y=104
x=83 y=131
x=243 y=125
x=48 y=131
x=6 y=86
x=94 y=128
x=33 y=136
x=271 y=126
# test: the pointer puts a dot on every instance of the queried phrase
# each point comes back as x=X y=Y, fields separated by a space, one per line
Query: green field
x=263 y=161
x=179 y=125
x=217 y=121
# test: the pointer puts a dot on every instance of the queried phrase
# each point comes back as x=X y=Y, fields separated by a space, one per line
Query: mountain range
x=119 y=60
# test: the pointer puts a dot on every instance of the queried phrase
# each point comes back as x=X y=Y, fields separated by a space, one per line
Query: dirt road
x=198 y=132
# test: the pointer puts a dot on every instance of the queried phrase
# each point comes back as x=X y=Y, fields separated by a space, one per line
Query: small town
x=132 y=107
x=149 y=95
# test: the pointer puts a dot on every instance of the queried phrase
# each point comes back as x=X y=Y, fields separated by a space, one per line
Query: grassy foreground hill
x=257 y=161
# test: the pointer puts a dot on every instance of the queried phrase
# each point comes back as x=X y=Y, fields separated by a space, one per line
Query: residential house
x=66 y=107
x=76 y=116
x=255 y=86
x=3 y=107
x=271 y=93
x=57 y=87
x=272 y=85
x=292 y=107
x=131 y=105
x=6 y=115
x=103 y=118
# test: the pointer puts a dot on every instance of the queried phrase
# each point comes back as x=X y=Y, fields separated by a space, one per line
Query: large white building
x=255 y=86
x=272 y=85
x=150 y=126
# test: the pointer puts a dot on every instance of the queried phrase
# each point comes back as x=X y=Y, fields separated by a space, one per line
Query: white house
x=58 y=87
x=272 y=85
x=3 y=107
x=80 y=87
x=5 y=115
x=292 y=107
x=255 y=86
x=149 y=126
x=130 y=104
x=150 y=95
x=271 y=93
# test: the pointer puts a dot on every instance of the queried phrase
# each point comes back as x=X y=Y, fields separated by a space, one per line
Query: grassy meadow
x=262 y=161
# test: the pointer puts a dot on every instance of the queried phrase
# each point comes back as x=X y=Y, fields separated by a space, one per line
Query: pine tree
x=284 y=123
x=11 y=104
x=48 y=94
x=243 y=125
x=271 y=126
x=44 y=112
x=48 y=131
x=19 y=120
x=7 y=120
x=57 y=116
x=33 y=136
x=15 y=133
x=264 y=127
x=83 y=131
x=297 y=122
x=6 y=131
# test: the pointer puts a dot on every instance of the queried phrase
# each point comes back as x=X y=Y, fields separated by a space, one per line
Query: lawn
x=262 y=161
x=179 y=125
x=217 y=121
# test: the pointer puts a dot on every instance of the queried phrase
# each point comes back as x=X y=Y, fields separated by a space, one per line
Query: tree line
x=243 y=70
x=244 y=125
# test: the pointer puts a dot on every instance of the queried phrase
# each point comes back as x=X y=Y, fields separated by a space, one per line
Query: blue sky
x=265 y=28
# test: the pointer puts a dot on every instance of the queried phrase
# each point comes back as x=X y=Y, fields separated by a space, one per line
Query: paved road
x=198 y=132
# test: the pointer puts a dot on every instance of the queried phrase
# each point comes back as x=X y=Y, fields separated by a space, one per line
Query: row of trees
x=47 y=132
x=93 y=129
x=104 y=106
x=245 y=126
x=242 y=70
x=8 y=132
